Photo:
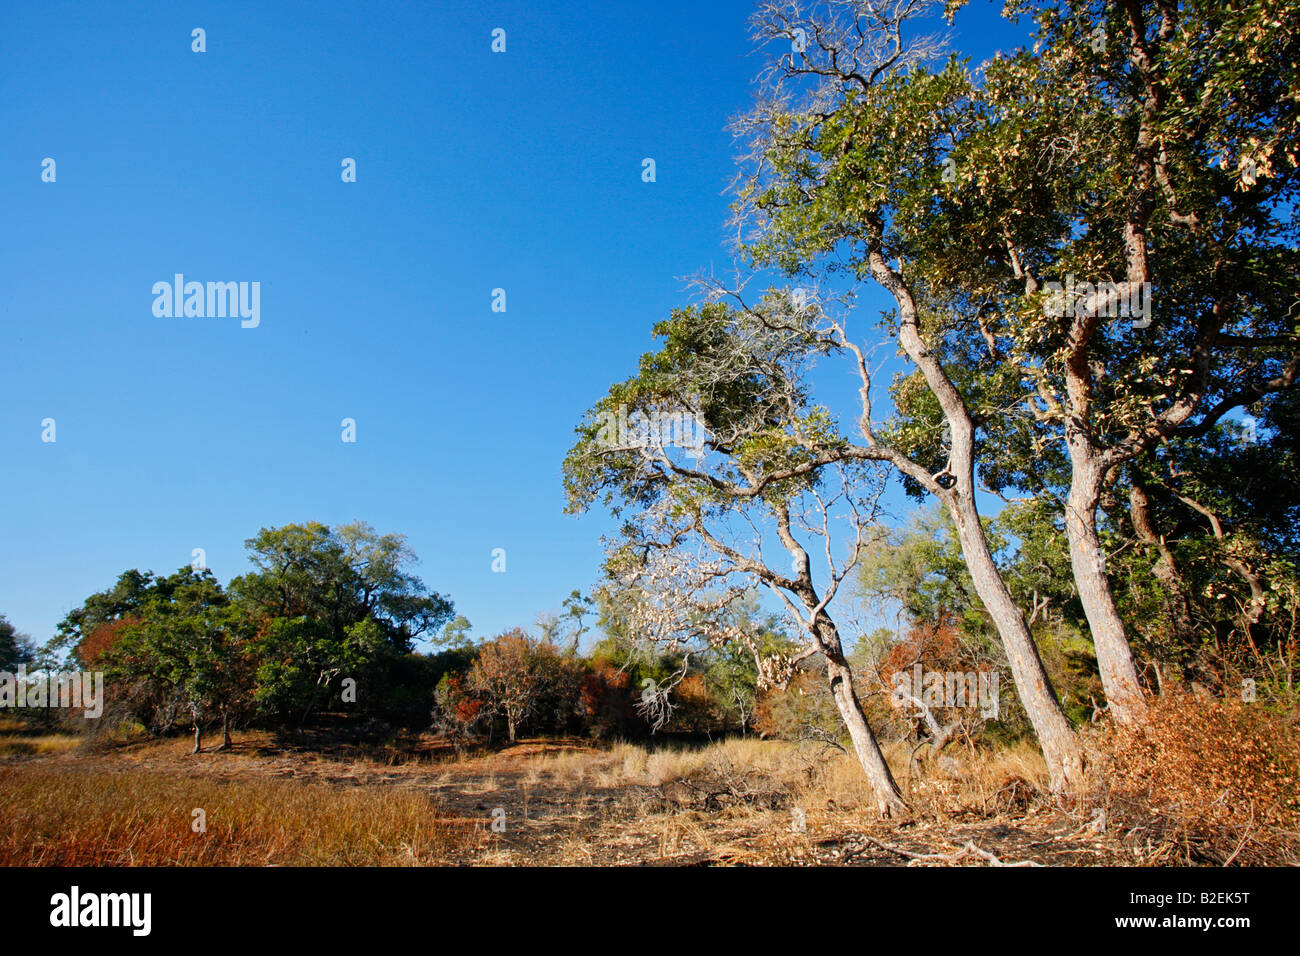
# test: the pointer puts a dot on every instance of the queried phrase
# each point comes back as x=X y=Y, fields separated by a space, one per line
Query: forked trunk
x=1166 y=568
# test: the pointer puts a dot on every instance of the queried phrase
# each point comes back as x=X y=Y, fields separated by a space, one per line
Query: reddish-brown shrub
x=1219 y=779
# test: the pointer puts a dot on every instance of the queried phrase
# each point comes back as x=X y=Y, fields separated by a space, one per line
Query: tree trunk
x=889 y=799
x=510 y=727
x=198 y=738
x=1087 y=559
x=1056 y=737
x=225 y=730
x=1166 y=569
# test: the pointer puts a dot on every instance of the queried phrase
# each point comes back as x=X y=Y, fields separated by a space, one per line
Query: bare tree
x=511 y=673
x=692 y=566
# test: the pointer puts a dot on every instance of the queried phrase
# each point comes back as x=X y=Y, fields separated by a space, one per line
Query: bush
x=1215 y=780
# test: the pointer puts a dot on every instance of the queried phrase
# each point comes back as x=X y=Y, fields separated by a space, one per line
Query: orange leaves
x=103 y=639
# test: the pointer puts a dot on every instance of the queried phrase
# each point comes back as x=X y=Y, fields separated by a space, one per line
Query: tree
x=846 y=146
x=693 y=548
x=1215 y=521
x=455 y=633
x=15 y=647
x=303 y=658
x=457 y=713
x=182 y=652
x=340 y=577
x=132 y=589
x=511 y=674
x=1139 y=148
x=335 y=602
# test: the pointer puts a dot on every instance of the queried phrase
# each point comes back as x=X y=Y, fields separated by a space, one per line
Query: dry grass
x=17 y=740
x=738 y=801
x=959 y=782
x=19 y=745
x=65 y=817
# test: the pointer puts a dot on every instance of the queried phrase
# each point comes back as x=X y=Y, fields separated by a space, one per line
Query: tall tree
x=340 y=577
x=1138 y=146
x=704 y=523
x=1139 y=161
x=843 y=141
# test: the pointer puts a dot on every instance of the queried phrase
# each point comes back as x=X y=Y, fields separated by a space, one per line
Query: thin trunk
x=1166 y=569
x=1056 y=736
x=1088 y=561
x=198 y=738
x=1252 y=612
x=225 y=729
x=826 y=639
x=889 y=799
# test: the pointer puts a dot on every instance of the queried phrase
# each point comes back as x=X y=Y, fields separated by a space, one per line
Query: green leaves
x=343 y=575
x=736 y=374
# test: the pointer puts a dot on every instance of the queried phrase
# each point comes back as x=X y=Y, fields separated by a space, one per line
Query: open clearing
x=283 y=801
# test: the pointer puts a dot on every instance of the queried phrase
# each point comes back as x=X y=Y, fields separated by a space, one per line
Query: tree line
x=328 y=621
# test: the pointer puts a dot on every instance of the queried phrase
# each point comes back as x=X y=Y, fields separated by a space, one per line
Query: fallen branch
x=968 y=849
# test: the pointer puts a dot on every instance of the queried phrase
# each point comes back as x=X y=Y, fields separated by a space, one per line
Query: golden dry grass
x=567 y=802
x=27 y=745
x=68 y=817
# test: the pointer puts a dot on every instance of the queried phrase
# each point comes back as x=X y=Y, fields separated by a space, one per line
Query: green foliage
x=15 y=648
x=341 y=576
x=181 y=653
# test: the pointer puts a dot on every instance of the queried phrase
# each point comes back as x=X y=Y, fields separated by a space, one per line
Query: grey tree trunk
x=1088 y=561
x=1056 y=737
x=889 y=799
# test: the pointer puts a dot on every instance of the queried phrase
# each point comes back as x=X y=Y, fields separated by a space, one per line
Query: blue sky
x=475 y=171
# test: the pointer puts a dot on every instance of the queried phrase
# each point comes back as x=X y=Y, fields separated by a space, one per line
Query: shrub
x=1219 y=779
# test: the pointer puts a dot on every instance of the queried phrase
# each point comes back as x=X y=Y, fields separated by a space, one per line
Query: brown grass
x=738 y=801
x=28 y=745
x=66 y=817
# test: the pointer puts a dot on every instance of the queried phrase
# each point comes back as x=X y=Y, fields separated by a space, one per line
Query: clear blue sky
x=475 y=171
